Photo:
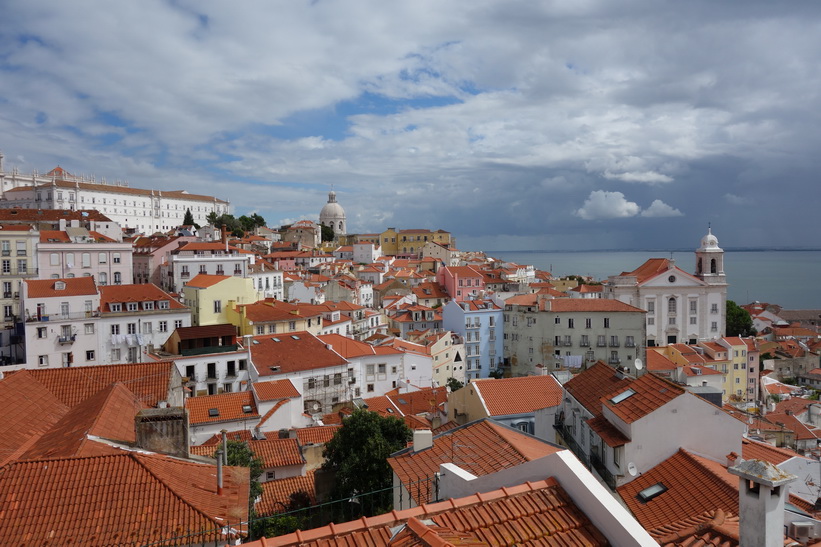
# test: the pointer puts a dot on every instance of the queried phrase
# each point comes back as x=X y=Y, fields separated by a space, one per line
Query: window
x=588 y=323
x=42 y=360
x=671 y=305
x=8 y=312
x=132 y=328
x=103 y=258
x=103 y=278
x=6 y=246
x=163 y=326
x=557 y=320
x=585 y=341
x=570 y=324
x=116 y=258
x=42 y=332
x=7 y=266
x=115 y=329
x=607 y=322
x=671 y=320
x=89 y=328
x=651 y=307
x=118 y=278
x=131 y=306
x=714 y=308
x=148 y=306
x=86 y=258
x=370 y=388
x=54 y=259
x=714 y=326
x=217 y=306
x=178 y=323
x=116 y=307
x=164 y=305
x=147 y=327
x=292 y=325
x=693 y=306
x=90 y=355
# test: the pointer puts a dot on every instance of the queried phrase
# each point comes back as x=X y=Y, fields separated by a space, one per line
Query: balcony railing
x=42 y=317
x=608 y=477
x=567 y=438
x=614 y=360
x=67 y=339
x=614 y=343
x=629 y=344
x=601 y=344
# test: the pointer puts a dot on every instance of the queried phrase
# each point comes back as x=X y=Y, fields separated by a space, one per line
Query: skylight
x=295 y=337
x=622 y=396
x=213 y=412
x=246 y=409
x=651 y=492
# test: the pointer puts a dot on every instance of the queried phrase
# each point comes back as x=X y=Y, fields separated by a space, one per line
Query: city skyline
x=513 y=126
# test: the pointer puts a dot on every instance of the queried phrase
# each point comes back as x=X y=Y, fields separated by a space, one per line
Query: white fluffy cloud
x=601 y=205
x=659 y=209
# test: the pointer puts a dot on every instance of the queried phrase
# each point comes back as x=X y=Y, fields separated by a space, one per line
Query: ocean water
x=787 y=278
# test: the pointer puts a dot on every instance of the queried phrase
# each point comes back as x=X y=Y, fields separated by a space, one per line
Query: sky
x=557 y=125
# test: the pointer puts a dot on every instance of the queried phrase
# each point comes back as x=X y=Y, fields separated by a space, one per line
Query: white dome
x=333 y=214
x=709 y=242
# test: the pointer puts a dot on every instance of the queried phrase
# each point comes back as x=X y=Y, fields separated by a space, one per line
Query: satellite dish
x=631 y=468
x=639 y=364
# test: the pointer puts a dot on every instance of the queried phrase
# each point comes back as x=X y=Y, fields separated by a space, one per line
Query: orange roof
x=347 y=347
x=109 y=414
x=694 y=485
x=229 y=407
x=794 y=405
x=276 y=494
x=73 y=385
x=277 y=452
x=204 y=246
x=504 y=396
x=649 y=393
x=54 y=236
x=144 y=292
x=203 y=281
x=242 y=435
x=534 y=513
x=30 y=410
x=316 y=434
x=296 y=351
x=589 y=305
x=757 y=450
x=425 y=400
x=707 y=529
x=654 y=267
x=49 y=215
x=74 y=286
x=488 y=447
x=607 y=431
x=589 y=386
x=275 y=390
x=658 y=362
x=107 y=500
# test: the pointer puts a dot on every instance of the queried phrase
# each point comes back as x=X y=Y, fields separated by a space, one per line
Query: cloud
x=648 y=177
x=604 y=205
x=659 y=209
x=737 y=200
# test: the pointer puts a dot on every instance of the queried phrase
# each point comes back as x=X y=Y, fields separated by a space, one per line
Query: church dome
x=333 y=214
x=709 y=242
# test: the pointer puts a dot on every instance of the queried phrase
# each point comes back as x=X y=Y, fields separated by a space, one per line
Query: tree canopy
x=454 y=384
x=232 y=224
x=327 y=233
x=359 y=454
x=241 y=455
x=188 y=220
x=739 y=322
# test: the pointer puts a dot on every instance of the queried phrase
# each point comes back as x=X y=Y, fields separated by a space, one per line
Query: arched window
x=103 y=278
x=713 y=266
x=671 y=305
x=118 y=278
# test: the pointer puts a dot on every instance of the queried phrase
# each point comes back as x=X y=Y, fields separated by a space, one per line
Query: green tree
x=241 y=455
x=327 y=233
x=188 y=220
x=250 y=222
x=739 y=322
x=359 y=452
x=454 y=384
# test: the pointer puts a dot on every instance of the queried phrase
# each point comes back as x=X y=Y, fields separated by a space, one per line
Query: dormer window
x=132 y=306
x=60 y=286
x=164 y=304
x=116 y=307
x=148 y=305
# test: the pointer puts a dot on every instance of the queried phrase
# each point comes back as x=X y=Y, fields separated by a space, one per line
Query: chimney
x=62 y=225
x=224 y=433
x=422 y=439
x=732 y=457
x=163 y=430
x=762 y=493
x=219 y=471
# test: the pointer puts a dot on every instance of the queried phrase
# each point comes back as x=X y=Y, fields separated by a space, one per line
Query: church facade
x=681 y=307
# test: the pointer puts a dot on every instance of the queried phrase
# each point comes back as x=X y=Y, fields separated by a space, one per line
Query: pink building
x=461 y=282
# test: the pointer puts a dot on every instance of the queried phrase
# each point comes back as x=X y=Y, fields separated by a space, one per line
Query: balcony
x=185 y=275
x=629 y=344
x=584 y=344
x=601 y=344
x=64 y=340
x=567 y=438
x=43 y=317
x=601 y=469
x=614 y=361
x=614 y=343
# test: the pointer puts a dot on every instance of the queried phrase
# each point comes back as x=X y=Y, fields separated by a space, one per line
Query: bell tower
x=710 y=260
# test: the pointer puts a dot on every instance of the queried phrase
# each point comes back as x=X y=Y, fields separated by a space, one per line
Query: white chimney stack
x=762 y=493
x=422 y=439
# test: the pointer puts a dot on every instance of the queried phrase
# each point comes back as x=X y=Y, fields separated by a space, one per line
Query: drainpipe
x=224 y=446
x=219 y=472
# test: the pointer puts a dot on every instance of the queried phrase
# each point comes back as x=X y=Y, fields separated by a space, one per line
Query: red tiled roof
x=709 y=529
x=277 y=452
x=30 y=410
x=107 y=500
x=607 y=431
x=74 y=286
x=144 y=292
x=757 y=450
x=425 y=400
x=486 y=447
x=229 y=407
x=48 y=215
x=658 y=362
x=296 y=351
x=276 y=494
x=73 y=385
x=274 y=390
x=54 y=236
x=242 y=435
x=694 y=485
x=347 y=347
x=590 y=305
x=650 y=393
x=316 y=434
x=206 y=331
x=589 y=386
x=109 y=414
x=505 y=396
x=203 y=281
x=794 y=405
x=534 y=513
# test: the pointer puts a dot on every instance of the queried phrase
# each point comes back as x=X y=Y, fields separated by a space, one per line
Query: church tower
x=710 y=260
x=333 y=215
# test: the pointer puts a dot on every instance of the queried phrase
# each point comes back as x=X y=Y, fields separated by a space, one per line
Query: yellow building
x=211 y=296
x=409 y=243
x=274 y=317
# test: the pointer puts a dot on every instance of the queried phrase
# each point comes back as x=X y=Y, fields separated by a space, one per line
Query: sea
x=788 y=278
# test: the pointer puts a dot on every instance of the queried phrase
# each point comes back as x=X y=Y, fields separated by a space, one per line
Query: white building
x=135 y=319
x=146 y=211
x=681 y=307
x=61 y=322
x=74 y=251
x=214 y=258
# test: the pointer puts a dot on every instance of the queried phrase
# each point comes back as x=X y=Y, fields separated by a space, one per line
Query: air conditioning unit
x=802 y=531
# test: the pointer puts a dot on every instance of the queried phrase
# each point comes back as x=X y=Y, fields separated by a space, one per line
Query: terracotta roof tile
x=275 y=390
x=295 y=351
x=47 y=288
x=649 y=393
x=316 y=434
x=49 y=215
x=757 y=450
x=589 y=386
x=504 y=396
x=73 y=385
x=242 y=435
x=712 y=528
x=203 y=281
x=347 y=347
x=276 y=494
x=480 y=447
x=229 y=407
x=206 y=331
x=425 y=400
x=277 y=452
x=607 y=431
x=536 y=513
x=590 y=305
x=144 y=292
x=107 y=500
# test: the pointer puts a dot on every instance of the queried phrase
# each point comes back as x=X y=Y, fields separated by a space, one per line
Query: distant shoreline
x=666 y=251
